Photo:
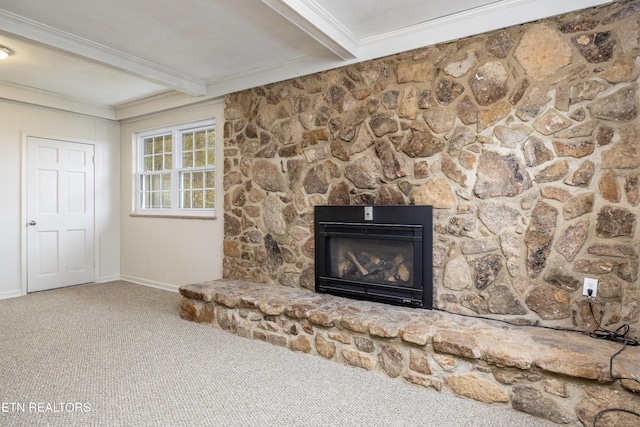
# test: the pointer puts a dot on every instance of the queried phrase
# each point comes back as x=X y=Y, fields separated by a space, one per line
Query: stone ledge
x=440 y=348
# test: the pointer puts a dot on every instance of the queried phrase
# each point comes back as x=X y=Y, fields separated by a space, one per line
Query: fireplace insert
x=375 y=253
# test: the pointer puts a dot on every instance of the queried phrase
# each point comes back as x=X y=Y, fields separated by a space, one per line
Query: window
x=176 y=171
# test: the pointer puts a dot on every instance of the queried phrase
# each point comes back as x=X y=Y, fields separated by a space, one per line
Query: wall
x=167 y=252
x=20 y=120
x=525 y=141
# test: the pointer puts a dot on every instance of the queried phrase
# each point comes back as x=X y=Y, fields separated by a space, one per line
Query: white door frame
x=23 y=202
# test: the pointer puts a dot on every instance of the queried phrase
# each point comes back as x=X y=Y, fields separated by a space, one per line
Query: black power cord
x=604 y=411
x=616 y=336
x=619 y=335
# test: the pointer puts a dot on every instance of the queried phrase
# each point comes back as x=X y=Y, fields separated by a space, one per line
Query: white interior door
x=60 y=214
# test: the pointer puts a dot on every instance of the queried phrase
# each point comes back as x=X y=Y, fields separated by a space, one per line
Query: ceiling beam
x=43 y=35
x=319 y=24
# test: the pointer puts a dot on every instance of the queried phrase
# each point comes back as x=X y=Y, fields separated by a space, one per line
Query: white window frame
x=176 y=169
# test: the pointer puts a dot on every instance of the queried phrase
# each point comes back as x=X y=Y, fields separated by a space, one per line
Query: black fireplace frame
x=393 y=222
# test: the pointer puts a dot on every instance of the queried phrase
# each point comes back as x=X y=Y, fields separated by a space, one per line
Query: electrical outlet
x=590 y=284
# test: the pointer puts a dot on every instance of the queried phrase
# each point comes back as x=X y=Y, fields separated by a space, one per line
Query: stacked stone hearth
x=525 y=140
x=560 y=376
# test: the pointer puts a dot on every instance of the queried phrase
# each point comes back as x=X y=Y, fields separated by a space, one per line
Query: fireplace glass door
x=372 y=260
x=375 y=261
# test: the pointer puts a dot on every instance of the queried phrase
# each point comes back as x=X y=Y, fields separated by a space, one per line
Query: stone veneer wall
x=525 y=140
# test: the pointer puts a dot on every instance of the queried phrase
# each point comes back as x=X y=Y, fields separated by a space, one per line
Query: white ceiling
x=104 y=58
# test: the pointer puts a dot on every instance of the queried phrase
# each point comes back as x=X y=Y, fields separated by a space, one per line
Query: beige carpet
x=117 y=354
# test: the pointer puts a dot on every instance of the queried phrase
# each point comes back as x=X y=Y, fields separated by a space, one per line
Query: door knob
x=32 y=222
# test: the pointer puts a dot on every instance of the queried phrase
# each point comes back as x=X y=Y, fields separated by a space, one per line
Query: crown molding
x=33 y=32
x=162 y=102
x=311 y=18
x=27 y=95
x=502 y=14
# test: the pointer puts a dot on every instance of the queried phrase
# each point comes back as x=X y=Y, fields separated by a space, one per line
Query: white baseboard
x=105 y=279
x=10 y=294
x=150 y=283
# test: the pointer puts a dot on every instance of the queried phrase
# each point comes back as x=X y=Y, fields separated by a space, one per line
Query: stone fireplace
x=375 y=253
x=524 y=141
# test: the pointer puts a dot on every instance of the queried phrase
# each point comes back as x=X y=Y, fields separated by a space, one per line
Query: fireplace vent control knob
x=368 y=213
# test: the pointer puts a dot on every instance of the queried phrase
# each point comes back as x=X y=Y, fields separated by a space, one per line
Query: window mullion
x=175 y=175
x=139 y=199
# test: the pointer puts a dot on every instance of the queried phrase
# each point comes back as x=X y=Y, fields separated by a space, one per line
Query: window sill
x=135 y=215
